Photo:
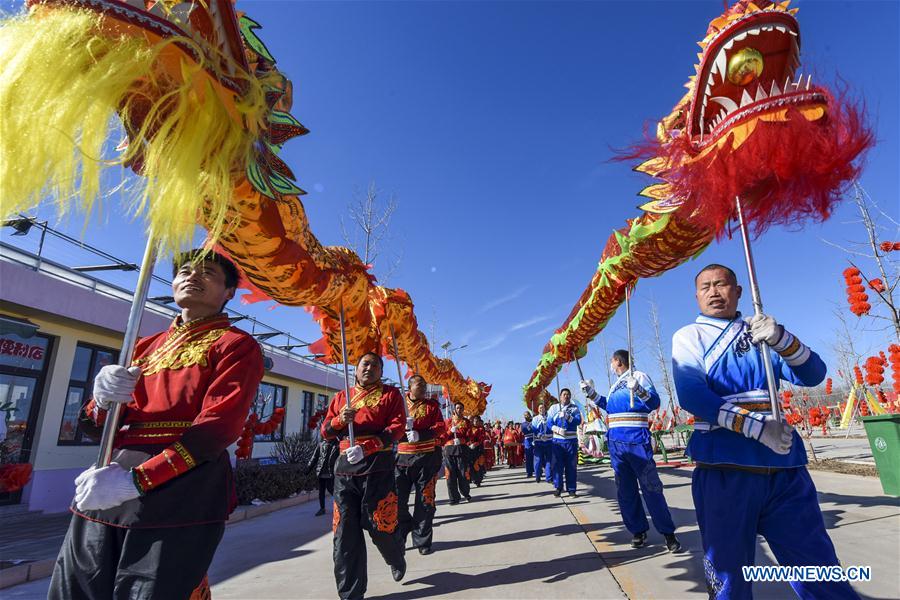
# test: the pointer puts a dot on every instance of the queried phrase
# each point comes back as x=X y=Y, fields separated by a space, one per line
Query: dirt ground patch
x=839 y=466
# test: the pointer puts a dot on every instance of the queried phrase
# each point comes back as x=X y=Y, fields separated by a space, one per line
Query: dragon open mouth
x=747 y=69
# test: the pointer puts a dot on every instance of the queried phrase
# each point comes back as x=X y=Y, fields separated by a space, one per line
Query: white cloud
x=502 y=300
x=529 y=322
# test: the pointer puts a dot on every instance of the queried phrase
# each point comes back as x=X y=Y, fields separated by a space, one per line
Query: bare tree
x=660 y=356
x=886 y=262
x=372 y=220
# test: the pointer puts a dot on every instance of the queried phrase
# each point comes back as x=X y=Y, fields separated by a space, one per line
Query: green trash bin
x=884 y=438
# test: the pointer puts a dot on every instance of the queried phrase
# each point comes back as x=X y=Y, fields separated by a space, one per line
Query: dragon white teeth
x=775 y=91
x=754 y=31
x=720 y=65
x=808 y=81
x=745 y=99
x=726 y=102
x=730 y=43
x=760 y=93
x=781 y=28
x=740 y=36
x=793 y=33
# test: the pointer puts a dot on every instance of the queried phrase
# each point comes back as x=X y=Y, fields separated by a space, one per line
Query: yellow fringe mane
x=64 y=83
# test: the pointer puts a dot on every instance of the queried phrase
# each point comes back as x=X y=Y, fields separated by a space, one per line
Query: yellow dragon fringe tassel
x=72 y=89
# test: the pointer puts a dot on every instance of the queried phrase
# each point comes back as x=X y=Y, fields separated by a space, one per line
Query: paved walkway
x=515 y=540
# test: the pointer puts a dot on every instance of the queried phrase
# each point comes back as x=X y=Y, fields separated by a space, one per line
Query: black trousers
x=457 y=472
x=102 y=562
x=479 y=468
x=364 y=502
x=325 y=483
x=420 y=473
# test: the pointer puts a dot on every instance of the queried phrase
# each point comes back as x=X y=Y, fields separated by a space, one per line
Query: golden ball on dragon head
x=745 y=66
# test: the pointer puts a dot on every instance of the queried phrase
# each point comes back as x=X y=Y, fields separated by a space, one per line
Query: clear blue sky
x=493 y=123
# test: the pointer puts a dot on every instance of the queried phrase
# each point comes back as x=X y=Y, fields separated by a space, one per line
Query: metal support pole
x=578 y=365
x=630 y=345
x=399 y=374
x=346 y=374
x=763 y=347
x=132 y=328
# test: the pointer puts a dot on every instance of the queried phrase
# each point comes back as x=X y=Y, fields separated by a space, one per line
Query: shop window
x=89 y=359
x=269 y=397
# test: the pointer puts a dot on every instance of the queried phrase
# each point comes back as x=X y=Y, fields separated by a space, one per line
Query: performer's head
x=368 y=369
x=542 y=409
x=203 y=283
x=619 y=362
x=528 y=416
x=418 y=388
x=476 y=421
x=565 y=396
x=718 y=292
x=458 y=409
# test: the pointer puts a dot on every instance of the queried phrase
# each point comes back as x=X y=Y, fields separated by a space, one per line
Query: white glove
x=99 y=489
x=456 y=442
x=764 y=328
x=558 y=430
x=355 y=454
x=632 y=384
x=115 y=383
x=412 y=436
x=409 y=423
x=587 y=388
x=473 y=446
x=453 y=429
x=776 y=436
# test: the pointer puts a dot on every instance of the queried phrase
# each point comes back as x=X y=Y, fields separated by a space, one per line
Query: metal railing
x=38 y=261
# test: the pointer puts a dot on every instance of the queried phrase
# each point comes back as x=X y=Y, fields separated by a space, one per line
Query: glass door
x=23 y=370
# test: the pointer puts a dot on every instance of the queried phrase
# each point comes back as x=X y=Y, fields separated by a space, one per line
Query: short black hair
x=565 y=390
x=455 y=404
x=417 y=376
x=376 y=355
x=203 y=255
x=622 y=357
x=716 y=267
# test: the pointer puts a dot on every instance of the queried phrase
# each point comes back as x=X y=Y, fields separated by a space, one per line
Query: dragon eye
x=745 y=66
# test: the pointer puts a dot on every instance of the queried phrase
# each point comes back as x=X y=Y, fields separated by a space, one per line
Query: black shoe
x=399 y=572
x=477 y=485
x=320 y=512
x=672 y=543
x=557 y=493
x=639 y=540
x=537 y=480
x=468 y=498
x=454 y=502
x=571 y=494
x=425 y=550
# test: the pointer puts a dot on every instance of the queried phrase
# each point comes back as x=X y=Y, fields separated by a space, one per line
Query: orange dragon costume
x=749 y=126
x=202 y=115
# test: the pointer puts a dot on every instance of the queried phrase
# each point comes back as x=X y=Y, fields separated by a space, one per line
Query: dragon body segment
x=749 y=126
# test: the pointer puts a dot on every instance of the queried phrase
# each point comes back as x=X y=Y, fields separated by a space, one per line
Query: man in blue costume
x=751 y=476
x=528 y=435
x=631 y=399
x=564 y=419
x=542 y=444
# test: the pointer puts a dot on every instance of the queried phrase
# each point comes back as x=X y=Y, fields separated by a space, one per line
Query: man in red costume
x=459 y=431
x=147 y=525
x=476 y=451
x=419 y=464
x=365 y=495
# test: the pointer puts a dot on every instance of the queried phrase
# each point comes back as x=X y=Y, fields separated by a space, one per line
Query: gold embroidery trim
x=795 y=345
x=367 y=399
x=184 y=454
x=169 y=460
x=160 y=425
x=177 y=352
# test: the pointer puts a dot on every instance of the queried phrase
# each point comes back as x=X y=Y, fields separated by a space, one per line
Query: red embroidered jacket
x=197 y=384
x=463 y=430
x=428 y=422
x=378 y=423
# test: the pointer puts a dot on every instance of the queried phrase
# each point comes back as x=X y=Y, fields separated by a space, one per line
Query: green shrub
x=271 y=482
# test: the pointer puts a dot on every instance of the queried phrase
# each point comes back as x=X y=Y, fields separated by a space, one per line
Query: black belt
x=747 y=469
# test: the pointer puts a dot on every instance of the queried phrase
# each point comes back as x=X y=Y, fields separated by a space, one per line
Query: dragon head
x=752 y=125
